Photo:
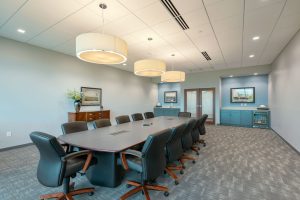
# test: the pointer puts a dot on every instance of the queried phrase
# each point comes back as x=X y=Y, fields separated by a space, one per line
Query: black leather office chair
x=184 y=114
x=174 y=151
x=202 y=129
x=122 y=119
x=137 y=117
x=150 y=163
x=73 y=127
x=100 y=123
x=56 y=167
x=149 y=115
x=187 y=142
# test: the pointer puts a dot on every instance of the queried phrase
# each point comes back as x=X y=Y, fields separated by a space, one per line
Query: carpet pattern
x=237 y=164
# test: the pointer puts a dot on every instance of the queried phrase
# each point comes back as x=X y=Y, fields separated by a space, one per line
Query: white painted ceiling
x=223 y=28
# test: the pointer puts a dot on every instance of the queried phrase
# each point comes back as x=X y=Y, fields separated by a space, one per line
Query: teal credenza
x=160 y=111
x=242 y=118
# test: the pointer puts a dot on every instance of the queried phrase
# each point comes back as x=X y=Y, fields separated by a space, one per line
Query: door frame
x=199 y=102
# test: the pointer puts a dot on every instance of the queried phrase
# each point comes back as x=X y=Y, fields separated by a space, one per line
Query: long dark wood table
x=108 y=142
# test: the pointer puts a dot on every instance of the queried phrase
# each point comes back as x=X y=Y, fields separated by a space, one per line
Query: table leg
x=106 y=172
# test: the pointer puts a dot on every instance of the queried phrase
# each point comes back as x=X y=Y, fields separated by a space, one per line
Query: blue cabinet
x=246 y=118
x=160 y=111
x=237 y=117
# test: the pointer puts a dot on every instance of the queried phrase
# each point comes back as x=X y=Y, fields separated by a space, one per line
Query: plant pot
x=77 y=105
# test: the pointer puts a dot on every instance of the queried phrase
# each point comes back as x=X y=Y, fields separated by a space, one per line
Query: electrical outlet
x=8 y=133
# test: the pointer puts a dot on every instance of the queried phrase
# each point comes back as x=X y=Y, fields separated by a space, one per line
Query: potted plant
x=76 y=96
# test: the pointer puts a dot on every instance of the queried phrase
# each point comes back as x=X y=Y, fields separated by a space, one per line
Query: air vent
x=206 y=56
x=174 y=12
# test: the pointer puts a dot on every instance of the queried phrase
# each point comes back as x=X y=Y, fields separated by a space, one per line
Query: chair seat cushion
x=134 y=163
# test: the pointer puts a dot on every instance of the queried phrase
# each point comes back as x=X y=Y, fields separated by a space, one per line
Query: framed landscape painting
x=170 y=97
x=91 y=96
x=242 y=95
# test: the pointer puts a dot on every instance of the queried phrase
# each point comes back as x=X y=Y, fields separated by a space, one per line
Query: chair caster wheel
x=194 y=161
x=91 y=194
x=198 y=148
x=176 y=182
x=183 y=166
x=181 y=172
x=166 y=194
x=197 y=154
x=128 y=186
x=204 y=144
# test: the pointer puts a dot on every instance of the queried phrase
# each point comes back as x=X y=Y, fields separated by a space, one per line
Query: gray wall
x=284 y=93
x=34 y=82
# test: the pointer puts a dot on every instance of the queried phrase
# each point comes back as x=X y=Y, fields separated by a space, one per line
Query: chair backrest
x=186 y=139
x=101 y=123
x=201 y=126
x=196 y=131
x=122 y=119
x=137 y=117
x=174 y=146
x=184 y=114
x=51 y=169
x=154 y=159
x=149 y=115
x=73 y=127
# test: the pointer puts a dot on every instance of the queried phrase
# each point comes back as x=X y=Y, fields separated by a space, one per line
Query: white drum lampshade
x=173 y=76
x=101 y=48
x=149 y=67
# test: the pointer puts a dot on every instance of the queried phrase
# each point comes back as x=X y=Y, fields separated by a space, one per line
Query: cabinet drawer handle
x=90 y=113
x=90 y=118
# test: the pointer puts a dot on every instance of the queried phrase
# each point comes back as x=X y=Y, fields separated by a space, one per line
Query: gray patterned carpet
x=236 y=164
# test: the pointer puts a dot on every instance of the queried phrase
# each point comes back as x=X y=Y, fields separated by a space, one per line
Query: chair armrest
x=88 y=153
x=129 y=152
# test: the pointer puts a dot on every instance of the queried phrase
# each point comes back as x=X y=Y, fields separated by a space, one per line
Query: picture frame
x=170 y=97
x=242 y=95
x=91 y=96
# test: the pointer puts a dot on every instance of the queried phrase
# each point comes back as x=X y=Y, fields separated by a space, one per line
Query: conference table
x=108 y=142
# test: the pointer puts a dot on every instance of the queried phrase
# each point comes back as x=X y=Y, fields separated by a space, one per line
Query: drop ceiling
x=222 y=28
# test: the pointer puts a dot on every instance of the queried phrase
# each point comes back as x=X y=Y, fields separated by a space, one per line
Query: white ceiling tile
x=167 y=27
x=134 y=5
x=114 y=9
x=126 y=25
x=196 y=18
x=11 y=6
x=154 y=14
x=188 y=6
x=36 y=16
x=224 y=9
x=81 y=22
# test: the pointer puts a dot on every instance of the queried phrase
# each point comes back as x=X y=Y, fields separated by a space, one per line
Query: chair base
x=201 y=141
x=170 y=171
x=185 y=158
x=69 y=196
x=144 y=188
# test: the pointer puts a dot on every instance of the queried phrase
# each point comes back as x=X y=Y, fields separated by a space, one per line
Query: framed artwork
x=91 y=96
x=170 y=97
x=242 y=95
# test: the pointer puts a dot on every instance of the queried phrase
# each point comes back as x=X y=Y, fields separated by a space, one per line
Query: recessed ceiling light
x=251 y=56
x=21 y=31
x=124 y=64
x=255 y=74
x=231 y=76
x=255 y=38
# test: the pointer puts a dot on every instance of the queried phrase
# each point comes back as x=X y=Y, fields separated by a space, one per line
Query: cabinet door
x=235 y=117
x=225 y=116
x=246 y=118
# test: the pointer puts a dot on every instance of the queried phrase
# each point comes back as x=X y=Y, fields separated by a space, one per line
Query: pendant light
x=149 y=67
x=173 y=76
x=101 y=48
